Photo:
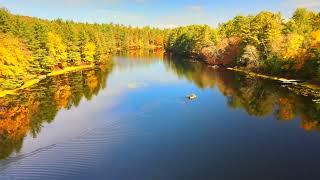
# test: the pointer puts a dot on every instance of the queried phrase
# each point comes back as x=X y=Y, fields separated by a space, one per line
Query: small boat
x=192 y=96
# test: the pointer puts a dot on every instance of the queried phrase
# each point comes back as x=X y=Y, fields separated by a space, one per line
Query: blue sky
x=159 y=13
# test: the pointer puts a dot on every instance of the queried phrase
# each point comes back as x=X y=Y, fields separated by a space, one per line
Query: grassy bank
x=34 y=81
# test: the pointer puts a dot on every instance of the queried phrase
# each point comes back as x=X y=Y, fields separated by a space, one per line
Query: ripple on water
x=68 y=158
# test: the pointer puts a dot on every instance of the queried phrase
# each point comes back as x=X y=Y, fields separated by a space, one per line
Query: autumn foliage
x=264 y=42
x=31 y=46
x=15 y=61
x=223 y=53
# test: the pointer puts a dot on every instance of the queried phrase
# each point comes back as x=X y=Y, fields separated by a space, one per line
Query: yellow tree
x=265 y=32
x=159 y=41
x=293 y=50
x=315 y=39
x=89 y=52
x=292 y=46
x=315 y=44
x=14 y=62
x=56 y=49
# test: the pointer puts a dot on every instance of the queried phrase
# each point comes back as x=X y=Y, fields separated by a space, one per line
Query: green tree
x=37 y=45
x=5 y=21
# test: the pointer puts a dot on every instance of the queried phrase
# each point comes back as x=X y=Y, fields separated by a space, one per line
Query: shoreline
x=36 y=80
x=298 y=86
x=295 y=85
x=253 y=74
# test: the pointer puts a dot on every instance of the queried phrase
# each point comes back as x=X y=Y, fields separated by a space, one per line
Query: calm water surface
x=131 y=120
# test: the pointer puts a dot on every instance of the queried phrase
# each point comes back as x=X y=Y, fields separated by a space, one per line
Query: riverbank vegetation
x=30 y=47
x=265 y=43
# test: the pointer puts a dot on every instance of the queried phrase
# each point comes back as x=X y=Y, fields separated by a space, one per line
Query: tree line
x=265 y=43
x=30 y=46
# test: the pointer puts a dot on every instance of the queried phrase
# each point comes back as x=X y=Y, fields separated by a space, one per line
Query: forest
x=31 y=46
x=265 y=43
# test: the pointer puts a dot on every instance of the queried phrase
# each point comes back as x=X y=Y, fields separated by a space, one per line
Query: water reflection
x=257 y=97
x=26 y=112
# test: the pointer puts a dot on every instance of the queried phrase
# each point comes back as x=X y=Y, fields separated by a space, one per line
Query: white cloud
x=303 y=3
x=195 y=8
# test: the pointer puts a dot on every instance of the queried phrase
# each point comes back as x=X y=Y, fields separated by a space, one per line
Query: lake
x=132 y=120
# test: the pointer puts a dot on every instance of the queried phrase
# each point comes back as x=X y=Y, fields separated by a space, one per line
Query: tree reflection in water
x=26 y=112
x=258 y=97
